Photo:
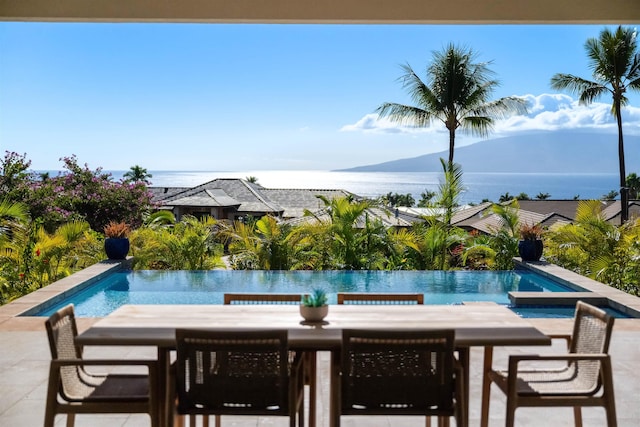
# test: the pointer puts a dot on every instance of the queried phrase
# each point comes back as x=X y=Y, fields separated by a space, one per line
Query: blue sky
x=239 y=97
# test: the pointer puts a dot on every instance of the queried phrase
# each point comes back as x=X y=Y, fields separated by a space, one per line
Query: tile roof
x=247 y=194
x=206 y=198
x=296 y=201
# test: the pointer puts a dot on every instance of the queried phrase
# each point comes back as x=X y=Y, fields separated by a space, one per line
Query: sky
x=239 y=97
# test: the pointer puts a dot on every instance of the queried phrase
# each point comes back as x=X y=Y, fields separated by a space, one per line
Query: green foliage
x=188 y=245
x=504 y=240
x=595 y=248
x=317 y=298
x=426 y=198
x=31 y=258
x=506 y=197
x=396 y=199
x=137 y=174
x=633 y=182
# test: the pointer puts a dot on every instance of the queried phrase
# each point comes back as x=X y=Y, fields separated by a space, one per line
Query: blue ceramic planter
x=530 y=250
x=116 y=248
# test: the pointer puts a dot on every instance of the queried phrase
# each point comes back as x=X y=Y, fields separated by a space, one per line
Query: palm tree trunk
x=624 y=193
x=452 y=143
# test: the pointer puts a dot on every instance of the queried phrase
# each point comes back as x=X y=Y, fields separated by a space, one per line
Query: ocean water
x=478 y=186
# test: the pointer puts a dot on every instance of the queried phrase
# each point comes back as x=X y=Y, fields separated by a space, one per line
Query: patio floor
x=24 y=360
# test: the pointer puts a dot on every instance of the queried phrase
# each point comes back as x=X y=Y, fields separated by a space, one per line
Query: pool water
x=208 y=287
x=555 y=312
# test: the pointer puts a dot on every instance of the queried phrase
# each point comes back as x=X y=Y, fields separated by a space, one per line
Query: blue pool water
x=208 y=287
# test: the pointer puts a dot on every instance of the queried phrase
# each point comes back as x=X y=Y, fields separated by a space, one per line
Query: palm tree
x=633 y=183
x=616 y=68
x=456 y=92
x=137 y=174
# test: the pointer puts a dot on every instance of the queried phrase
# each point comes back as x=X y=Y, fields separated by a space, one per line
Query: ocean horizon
x=478 y=185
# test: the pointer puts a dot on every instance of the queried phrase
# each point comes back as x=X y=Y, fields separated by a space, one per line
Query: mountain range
x=550 y=152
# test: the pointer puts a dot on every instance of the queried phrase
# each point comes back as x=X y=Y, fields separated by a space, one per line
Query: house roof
x=206 y=198
x=237 y=192
x=160 y=193
x=296 y=201
x=566 y=208
x=246 y=197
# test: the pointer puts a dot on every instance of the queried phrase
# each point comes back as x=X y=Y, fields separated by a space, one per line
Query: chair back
x=246 y=298
x=591 y=335
x=382 y=298
x=232 y=372
x=398 y=372
x=62 y=331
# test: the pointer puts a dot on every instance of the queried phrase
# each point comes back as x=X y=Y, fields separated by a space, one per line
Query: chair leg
x=428 y=421
x=511 y=413
x=218 y=421
x=608 y=393
x=50 y=413
x=577 y=416
x=486 y=386
x=71 y=420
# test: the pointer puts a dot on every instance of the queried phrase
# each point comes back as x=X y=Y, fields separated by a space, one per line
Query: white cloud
x=547 y=112
x=374 y=123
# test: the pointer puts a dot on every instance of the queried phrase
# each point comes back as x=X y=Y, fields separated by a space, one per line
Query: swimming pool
x=208 y=287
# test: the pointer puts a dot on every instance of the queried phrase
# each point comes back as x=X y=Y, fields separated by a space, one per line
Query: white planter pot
x=314 y=314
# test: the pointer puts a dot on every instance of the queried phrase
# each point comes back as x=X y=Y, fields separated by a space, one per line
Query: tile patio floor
x=24 y=359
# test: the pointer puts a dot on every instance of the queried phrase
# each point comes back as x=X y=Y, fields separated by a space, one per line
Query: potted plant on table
x=530 y=246
x=313 y=307
x=116 y=242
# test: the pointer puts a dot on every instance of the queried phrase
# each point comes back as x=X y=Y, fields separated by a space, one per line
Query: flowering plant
x=117 y=230
x=530 y=231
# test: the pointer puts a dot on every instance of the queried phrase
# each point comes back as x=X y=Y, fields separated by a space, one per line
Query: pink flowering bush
x=79 y=193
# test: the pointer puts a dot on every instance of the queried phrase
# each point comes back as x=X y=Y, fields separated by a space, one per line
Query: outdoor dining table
x=476 y=324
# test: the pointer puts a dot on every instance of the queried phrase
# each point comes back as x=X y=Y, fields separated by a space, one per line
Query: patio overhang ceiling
x=327 y=11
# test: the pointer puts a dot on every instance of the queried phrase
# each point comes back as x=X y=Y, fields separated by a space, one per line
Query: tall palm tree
x=615 y=62
x=456 y=92
x=137 y=174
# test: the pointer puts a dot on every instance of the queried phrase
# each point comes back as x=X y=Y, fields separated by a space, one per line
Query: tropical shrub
x=187 y=245
x=596 y=248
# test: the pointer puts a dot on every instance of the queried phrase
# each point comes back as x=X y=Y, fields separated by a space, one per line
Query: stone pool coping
x=587 y=289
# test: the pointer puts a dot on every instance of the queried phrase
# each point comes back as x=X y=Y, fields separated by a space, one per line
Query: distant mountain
x=550 y=152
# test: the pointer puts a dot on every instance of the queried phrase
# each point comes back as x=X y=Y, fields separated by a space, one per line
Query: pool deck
x=24 y=362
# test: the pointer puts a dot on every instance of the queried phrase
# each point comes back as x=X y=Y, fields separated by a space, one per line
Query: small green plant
x=117 y=230
x=530 y=231
x=317 y=298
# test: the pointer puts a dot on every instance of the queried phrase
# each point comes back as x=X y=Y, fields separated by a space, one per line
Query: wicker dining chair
x=381 y=298
x=585 y=380
x=310 y=361
x=237 y=373
x=74 y=387
x=399 y=373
